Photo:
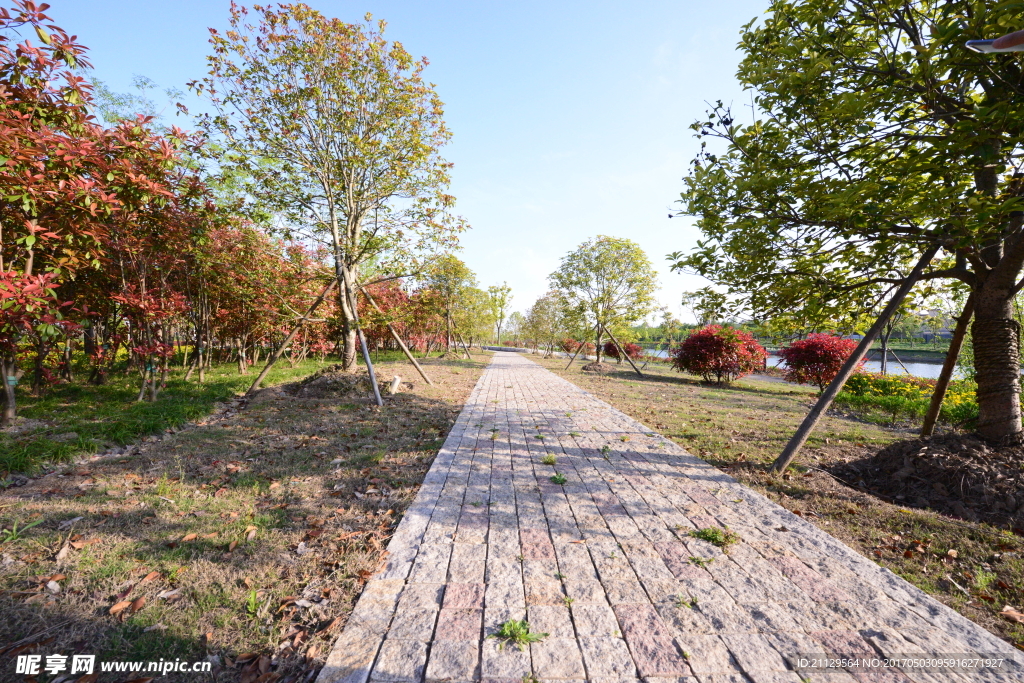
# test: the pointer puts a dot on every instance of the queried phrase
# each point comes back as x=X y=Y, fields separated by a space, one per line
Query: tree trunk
x=996 y=362
x=597 y=336
x=8 y=375
x=885 y=351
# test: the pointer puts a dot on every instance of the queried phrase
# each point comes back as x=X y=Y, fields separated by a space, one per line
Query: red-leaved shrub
x=719 y=354
x=634 y=351
x=817 y=359
x=569 y=345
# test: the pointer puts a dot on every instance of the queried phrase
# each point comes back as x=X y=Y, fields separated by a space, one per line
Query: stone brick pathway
x=605 y=565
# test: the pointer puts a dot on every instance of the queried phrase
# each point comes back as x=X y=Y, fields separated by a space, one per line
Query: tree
x=719 y=354
x=334 y=129
x=500 y=298
x=706 y=305
x=817 y=359
x=450 y=281
x=878 y=136
x=607 y=281
x=544 y=322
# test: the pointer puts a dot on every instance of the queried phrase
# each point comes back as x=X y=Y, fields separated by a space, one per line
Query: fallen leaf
x=152 y=576
x=138 y=604
x=163 y=595
x=120 y=607
x=189 y=537
x=986 y=598
x=232 y=546
x=1002 y=584
x=81 y=544
x=1011 y=613
x=154 y=627
x=908 y=553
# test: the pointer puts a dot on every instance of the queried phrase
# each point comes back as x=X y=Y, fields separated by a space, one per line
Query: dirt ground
x=242 y=539
x=972 y=562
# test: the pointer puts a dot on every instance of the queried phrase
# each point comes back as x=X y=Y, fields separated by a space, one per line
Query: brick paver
x=604 y=564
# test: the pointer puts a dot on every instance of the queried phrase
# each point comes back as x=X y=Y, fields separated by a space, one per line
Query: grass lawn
x=244 y=536
x=974 y=568
x=73 y=419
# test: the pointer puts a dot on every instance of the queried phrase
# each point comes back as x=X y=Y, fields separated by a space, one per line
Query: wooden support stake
x=287 y=340
x=942 y=384
x=463 y=342
x=580 y=348
x=829 y=395
x=621 y=350
x=349 y=292
x=401 y=344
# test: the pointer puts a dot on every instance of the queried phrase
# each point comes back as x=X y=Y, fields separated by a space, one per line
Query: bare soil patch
x=244 y=538
x=957 y=474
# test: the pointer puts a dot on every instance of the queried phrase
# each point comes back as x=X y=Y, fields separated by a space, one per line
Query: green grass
x=108 y=415
x=722 y=538
x=559 y=479
x=518 y=633
x=549 y=459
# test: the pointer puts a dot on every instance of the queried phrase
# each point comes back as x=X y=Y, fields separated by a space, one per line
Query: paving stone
x=508 y=662
x=544 y=593
x=607 y=657
x=625 y=592
x=421 y=596
x=457 y=571
x=400 y=660
x=594 y=620
x=413 y=624
x=459 y=624
x=585 y=592
x=464 y=595
x=706 y=654
x=754 y=653
x=454 y=660
x=557 y=658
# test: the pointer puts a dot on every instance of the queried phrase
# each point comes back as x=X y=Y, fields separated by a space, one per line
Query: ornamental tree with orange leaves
x=336 y=132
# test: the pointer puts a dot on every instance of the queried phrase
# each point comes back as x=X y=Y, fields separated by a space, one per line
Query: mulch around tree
x=956 y=474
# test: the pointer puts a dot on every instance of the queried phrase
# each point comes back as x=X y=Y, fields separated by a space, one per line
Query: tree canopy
x=875 y=135
x=606 y=281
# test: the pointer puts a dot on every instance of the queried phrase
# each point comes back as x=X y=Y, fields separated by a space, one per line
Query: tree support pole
x=942 y=384
x=621 y=350
x=288 y=340
x=463 y=342
x=401 y=344
x=829 y=395
x=350 y=293
x=575 y=354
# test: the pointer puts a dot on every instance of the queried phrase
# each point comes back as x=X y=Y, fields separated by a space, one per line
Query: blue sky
x=570 y=119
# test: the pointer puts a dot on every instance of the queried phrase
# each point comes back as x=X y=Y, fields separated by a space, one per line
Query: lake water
x=918 y=369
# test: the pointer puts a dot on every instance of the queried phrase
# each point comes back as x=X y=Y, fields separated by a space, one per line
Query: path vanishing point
x=606 y=566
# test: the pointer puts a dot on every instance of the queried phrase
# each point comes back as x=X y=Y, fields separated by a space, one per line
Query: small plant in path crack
x=518 y=633
x=701 y=561
x=723 y=538
x=559 y=479
x=548 y=459
x=683 y=601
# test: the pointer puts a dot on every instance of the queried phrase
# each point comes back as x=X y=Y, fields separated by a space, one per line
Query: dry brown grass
x=743 y=428
x=263 y=520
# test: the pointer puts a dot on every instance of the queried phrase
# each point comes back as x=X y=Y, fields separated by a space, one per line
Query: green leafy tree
x=452 y=283
x=499 y=301
x=606 y=282
x=877 y=136
x=707 y=306
x=544 y=323
x=333 y=128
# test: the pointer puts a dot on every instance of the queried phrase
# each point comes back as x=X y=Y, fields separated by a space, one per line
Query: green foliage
x=559 y=479
x=607 y=281
x=716 y=536
x=517 y=633
x=499 y=298
x=15 y=533
x=899 y=397
x=549 y=459
x=876 y=136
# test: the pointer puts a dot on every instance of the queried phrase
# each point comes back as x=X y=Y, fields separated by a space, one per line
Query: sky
x=570 y=119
